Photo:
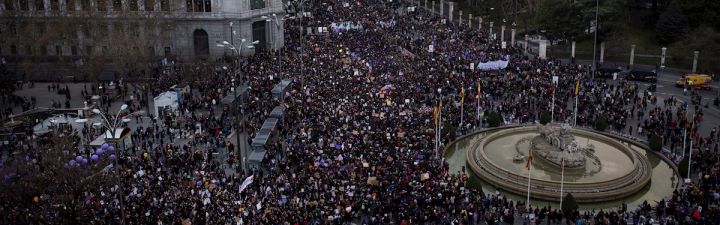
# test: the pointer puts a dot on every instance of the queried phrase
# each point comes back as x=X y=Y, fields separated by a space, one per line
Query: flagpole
x=462 y=112
x=690 y=159
x=439 y=130
x=684 y=139
x=528 y=189
x=576 y=112
x=562 y=180
x=552 y=108
x=435 y=123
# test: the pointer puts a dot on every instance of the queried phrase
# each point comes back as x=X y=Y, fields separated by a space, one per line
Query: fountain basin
x=621 y=171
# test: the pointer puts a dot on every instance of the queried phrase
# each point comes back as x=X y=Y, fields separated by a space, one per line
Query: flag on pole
x=479 y=93
x=435 y=114
x=439 y=112
x=246 y=183
x=529 y=161
x=462 y=94
x=562 y=162
x=577 y=87
x=692 y=129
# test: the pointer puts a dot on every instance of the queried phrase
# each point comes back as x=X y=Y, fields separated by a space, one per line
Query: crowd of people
x=356 y=144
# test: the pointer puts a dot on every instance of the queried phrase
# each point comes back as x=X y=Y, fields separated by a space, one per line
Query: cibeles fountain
x=593 y=167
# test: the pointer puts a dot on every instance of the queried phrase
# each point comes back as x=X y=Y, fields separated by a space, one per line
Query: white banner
x=493 y=65
x=246 y=183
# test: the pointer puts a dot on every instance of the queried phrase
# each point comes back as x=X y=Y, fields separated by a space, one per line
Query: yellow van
x=700 y=81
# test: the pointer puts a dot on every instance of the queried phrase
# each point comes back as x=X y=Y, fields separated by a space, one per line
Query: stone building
x=51 y=37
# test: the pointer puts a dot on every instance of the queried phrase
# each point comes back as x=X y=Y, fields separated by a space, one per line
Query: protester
x=356 y=142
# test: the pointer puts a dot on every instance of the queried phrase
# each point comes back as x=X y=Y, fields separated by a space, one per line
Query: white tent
x=168 y=99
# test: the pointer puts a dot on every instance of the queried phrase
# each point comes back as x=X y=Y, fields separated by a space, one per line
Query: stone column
x=696 y=54
x=542 y=49
x=662 y=57
x=460 y=18
x=479 y=23
x=451 y=11
x=602 y=52
x=572 y=51
x=632 y=54
x=470 y=20
x=502 y=33
x=527 y=38
x=490 y=31
x=442 y=6
x=512 y=36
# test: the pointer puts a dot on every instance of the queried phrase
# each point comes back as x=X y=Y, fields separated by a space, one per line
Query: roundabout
x=598 y=168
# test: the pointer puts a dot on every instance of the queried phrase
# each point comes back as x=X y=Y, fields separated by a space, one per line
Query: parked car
x=640 y=75
x=607 y=72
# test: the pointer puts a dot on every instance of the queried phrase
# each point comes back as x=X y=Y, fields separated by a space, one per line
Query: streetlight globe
x=243 y=40
x=123 y=107
x=256 y=42
x=96 y=111
x=251 y=46
x=225 y=42
x=220 y=45
x=126 y=120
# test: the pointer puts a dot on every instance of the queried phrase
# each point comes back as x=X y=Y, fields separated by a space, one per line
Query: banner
x=346 y=25
x=246 y=183
x=493 y=65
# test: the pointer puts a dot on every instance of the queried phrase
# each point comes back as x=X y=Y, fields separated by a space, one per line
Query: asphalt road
x=666 y=88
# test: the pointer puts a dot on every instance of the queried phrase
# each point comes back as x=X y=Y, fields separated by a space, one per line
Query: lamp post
x=111 y=124
x=597 y=28
x=238 y=123
x=237 y=50
x=274 y=20
x=232 y=34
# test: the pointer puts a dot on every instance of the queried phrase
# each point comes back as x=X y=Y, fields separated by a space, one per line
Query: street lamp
x=111 y=126
x=597 y=26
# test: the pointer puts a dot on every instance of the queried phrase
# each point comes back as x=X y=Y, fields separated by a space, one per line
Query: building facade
x=70 y=34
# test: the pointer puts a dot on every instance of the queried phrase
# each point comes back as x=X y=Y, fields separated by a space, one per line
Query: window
x=28 y=50
x=198 y=6
x=132 y=5
x=24 y=5
x=73 y=50
x=257 y=4
x=9 y=5
x=103 y=29
x=207 y=6
x=102 y=5
x=149 y=5
x=13 y=49
x=12 y=28
x=164 y=5
x=89 y=50
x=58 y=50
x=39 y=5
x=54 y=5
x=117 y=5
x=86 y=31
x=188 y=5
x=41 y=28
x=70 y=5
x=85 y=5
